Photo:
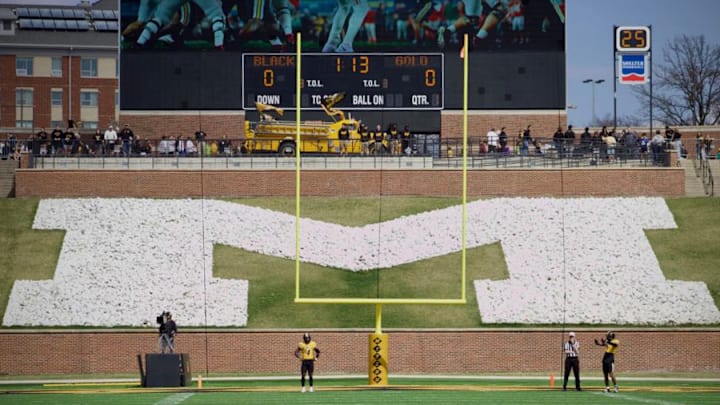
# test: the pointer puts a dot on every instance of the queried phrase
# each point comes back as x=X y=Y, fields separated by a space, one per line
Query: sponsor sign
x=633 y=69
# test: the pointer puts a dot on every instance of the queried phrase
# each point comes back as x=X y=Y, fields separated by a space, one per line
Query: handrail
x=707 y=178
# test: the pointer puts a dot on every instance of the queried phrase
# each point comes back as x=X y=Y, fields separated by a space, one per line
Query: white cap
x=572 y=334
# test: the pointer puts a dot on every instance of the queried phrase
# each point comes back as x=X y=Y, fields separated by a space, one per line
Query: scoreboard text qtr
x=370 y=81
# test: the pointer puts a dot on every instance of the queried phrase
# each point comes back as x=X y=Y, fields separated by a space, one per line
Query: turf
x=405 y=391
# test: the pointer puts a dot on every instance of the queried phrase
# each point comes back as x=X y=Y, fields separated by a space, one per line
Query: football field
x=667 y=392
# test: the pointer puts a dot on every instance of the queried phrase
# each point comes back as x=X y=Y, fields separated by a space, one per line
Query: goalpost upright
x=378 y=341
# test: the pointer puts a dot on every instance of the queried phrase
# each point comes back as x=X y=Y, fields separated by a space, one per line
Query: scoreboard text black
x=370 y=81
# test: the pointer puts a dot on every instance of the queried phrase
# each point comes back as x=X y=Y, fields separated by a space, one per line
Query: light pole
x=593 y=82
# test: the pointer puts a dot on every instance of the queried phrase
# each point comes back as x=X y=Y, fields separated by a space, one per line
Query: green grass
x=405 y=391
x=691 y=252
x=688 y=253
x=26 y=254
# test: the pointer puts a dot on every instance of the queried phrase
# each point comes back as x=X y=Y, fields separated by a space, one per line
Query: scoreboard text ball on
x=371 y=81
x=632 y=39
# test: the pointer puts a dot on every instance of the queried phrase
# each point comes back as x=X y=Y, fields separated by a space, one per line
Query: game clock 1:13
x=632 y=39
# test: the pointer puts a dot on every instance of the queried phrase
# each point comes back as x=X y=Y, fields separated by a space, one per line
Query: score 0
x=632 y=39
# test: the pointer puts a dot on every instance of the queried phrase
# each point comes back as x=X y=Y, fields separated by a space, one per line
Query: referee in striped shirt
x=572 y=361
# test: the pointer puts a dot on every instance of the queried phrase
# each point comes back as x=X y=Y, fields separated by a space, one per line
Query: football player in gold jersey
x=308 y=352
x=608 y=362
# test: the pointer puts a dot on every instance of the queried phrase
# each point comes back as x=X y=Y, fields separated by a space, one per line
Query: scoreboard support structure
x=633 y=41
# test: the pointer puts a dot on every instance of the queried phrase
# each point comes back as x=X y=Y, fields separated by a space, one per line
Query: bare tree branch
x=686 y=84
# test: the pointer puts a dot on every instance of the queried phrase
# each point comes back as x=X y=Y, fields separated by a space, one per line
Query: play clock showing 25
x=371 y=81
x=632 y=39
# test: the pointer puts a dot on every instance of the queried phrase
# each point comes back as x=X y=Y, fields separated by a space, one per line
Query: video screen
x=183 y=54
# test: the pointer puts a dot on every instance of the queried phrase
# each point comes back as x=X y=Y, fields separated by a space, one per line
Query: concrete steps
x=7 y=178
x=693 y=184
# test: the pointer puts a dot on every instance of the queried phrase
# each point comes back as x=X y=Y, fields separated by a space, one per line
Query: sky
x=589 y=44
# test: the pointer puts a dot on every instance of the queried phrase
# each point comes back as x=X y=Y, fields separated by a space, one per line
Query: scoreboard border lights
x=632 y=33
x=406 y=81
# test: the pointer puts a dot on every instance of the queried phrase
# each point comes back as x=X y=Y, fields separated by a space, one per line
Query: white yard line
x=174 y=399
x=635 y=399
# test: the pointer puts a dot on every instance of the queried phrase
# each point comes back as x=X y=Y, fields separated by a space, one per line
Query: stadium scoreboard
x=371 y=81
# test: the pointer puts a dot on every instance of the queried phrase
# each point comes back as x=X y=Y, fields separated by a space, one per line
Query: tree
x=607 y=120
x=686 y=85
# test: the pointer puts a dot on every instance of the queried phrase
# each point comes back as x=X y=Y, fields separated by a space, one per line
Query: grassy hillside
x=688 y=253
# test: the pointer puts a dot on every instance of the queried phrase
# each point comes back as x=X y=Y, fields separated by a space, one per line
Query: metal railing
x=703 y=170
x=228 y=162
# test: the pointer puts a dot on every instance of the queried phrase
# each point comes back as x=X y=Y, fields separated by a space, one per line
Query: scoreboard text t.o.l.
x=370 y=81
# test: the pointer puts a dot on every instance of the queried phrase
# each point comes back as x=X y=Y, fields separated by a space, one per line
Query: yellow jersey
x=307 y=350
x=612 y=346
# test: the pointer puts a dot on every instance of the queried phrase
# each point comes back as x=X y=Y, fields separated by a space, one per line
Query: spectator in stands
x=190 y=147
x=11 y=146
x=364 y=140
x=344 y=138
x=669 y=133
x=98 y=142
x=657 y=144
x=492 y=140
x=558 y=142
x=110 y=136
x=224 y=146
x=502 y=139
x=406 y=138
x=677 y=143
x=33 y=145
x=610 y=143
x=42 y=140
x=180 y=146
x=707 y=146
x=596 y=143
x=393 y=139
x=526 y=141
x=170 y=144
x=569 y=141
x=56 y=138
x=127 y=136
x=136 y=147
x=630 y=141
x=68 y=141
x=145 y=149
x=643 y=144
x=163 y=146
x=585 y=141
x=484 y=148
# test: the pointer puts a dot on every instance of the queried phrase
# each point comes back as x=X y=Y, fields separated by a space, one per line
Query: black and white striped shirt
x=572 y=349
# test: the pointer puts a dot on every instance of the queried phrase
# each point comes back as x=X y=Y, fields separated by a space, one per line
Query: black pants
x=307 y=367
x=574 y=364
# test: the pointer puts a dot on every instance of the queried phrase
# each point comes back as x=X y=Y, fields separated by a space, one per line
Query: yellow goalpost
x=378 y=341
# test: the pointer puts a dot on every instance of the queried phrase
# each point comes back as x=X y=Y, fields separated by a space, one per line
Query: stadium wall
x=664 y=182
x=345 y=352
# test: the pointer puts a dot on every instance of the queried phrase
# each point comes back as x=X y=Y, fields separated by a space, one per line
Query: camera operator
x=167 y=331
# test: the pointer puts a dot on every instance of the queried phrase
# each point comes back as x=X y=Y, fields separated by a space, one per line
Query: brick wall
x=543 y=124
x=153 y=125
x=181 y=184
x=265 y=352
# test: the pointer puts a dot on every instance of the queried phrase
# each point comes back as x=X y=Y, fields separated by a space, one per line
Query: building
x=58 y=64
